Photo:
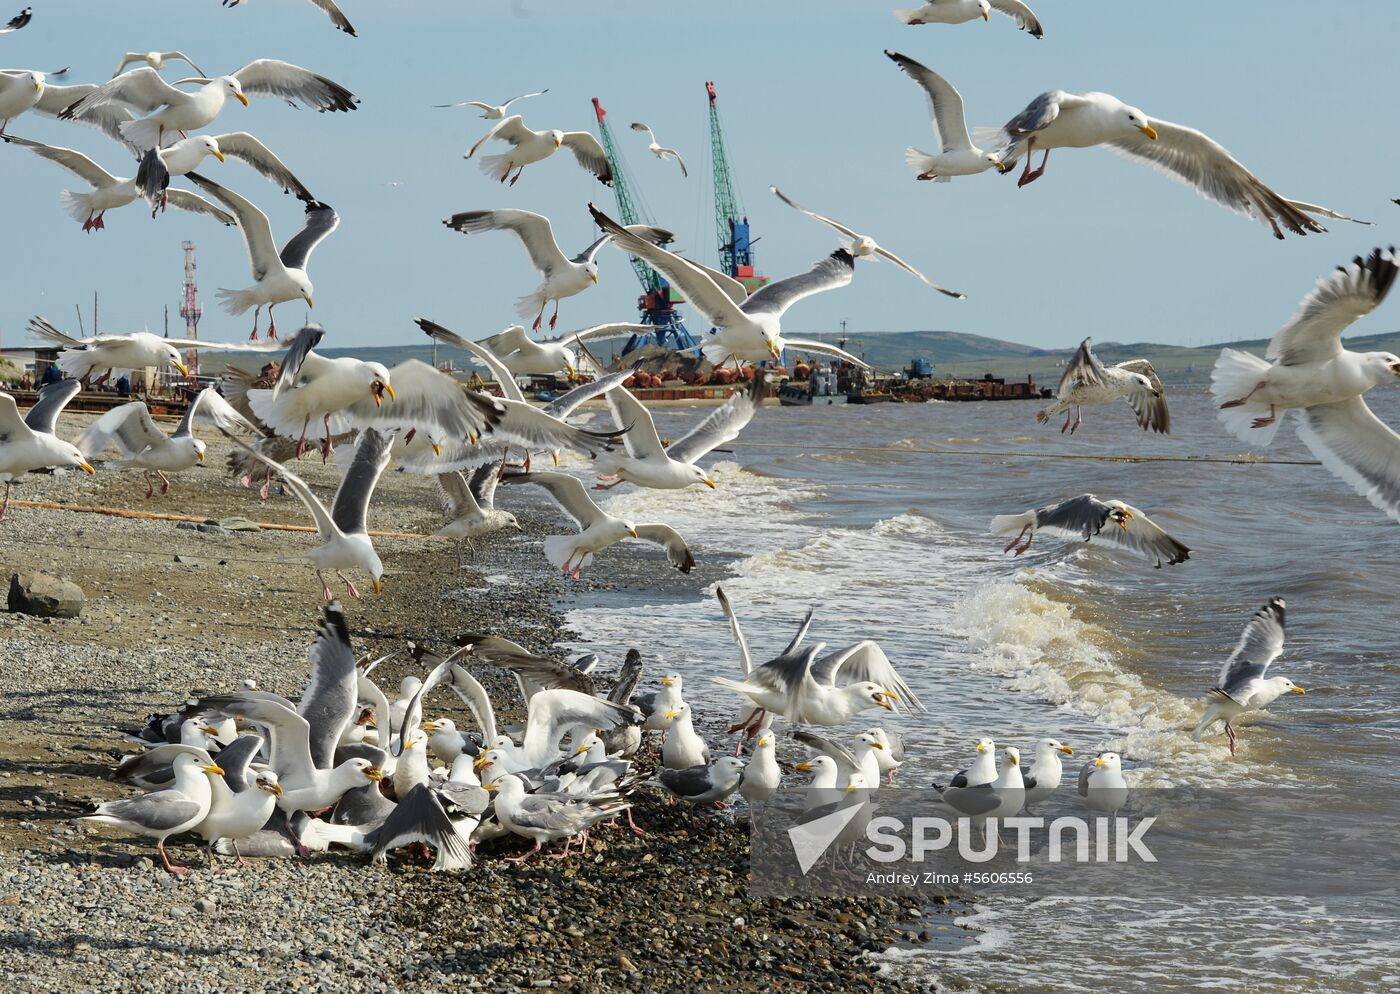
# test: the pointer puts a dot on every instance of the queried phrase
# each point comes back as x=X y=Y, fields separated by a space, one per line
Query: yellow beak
x=710 y=483
x=378 y=587
x=184 y=370
x=390 y=391
x=429 y=726
x=580 y=750
x=375 y=774
x=876 y=745
x=1149 y=131
x=488 y=786
x=211 y=768
x=594 y=277
x=632 y=532
x=87 y=468
x=219 y=156
x=671 y=714
x=199 y=456
x=276 y=790
x=1015 y=760
x=885 y=701
x=242 y=99
x=665 y=681
x=38 y=86
x=437 y=449
x=804 y=767
x=481 y=764
x=310 y=303
x=1066 y=750
x=1299 y=690
x=773 y=350
x=986 y=16
x=1099 y=761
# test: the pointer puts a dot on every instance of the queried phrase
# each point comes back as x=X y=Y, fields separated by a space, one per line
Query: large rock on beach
x=45 y=596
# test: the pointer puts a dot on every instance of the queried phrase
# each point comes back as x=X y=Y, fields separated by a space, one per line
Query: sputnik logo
x=810 y=840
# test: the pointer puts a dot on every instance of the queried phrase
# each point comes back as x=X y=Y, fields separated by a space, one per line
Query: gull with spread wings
x=533 y=146
x=1088 y=381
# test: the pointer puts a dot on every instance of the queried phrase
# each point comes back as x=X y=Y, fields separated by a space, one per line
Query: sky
x=1100 y=246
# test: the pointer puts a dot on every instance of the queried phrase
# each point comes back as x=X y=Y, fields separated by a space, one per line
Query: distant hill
x=952 y=353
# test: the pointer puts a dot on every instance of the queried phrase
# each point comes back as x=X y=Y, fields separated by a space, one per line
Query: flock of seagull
x=255 y=773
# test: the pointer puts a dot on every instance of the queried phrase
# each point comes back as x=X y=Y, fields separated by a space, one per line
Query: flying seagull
x=18 y=21
x=329 y=6
x=156 y=60
x=533 y=146
x=494 y=112
x=1085 y=517
x=962 y=11
x=1243 y=684
x=29 y=443
x=1088 y=381
x=957 y=155
x=659 y=151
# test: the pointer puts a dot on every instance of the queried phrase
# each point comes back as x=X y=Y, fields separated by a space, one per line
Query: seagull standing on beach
x=1044 y=777
x=962 y=11
x=659 y=151
x=533 y=146
x=1057 y=119
x=494 y=112
x=277 y=276
x=704 y=784
x=863 y=246
x=342 y=531
x=1101 y=783
x=1243 y=684
x=957 y=155
x=648 y=463
x=1306 y=369
x=1085 y=517
x=891 y=754
x=168 y=812
x=29 y=443
x=1088 y=381
x=983 y=768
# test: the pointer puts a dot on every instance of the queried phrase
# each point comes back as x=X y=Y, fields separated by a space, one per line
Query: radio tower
x=189 y=307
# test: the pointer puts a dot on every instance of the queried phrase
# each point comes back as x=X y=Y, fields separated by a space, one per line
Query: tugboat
x=821 y=387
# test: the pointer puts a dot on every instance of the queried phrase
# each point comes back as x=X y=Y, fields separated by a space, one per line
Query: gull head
x=870 y=739
x=209 y=145
x=1384 y=366
x=1286 y=686
x=35 y=78
x=510 y=521
x=984 y=7
x=303 y=284
x=729 y=764
x=1120 y=514
x=1146 y=384
x=1138 y=121
x=1047 y=746
x=1109 y=761
x=817 y=765
x=173 y=359
x=702 y=477
x=630 y=528
x=378 y=376
x=557 y=136
x=1013 y=755
x=764 y=742
x=676 y=712
x=366 y=769
x=986 y=745
x=195 y=446
x=856 y=782
x=871 y=695
x=591 y=268
x=266 y=781
x=233 y=88
x=68 y=456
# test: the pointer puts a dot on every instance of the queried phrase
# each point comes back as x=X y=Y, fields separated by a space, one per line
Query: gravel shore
x=173 y=610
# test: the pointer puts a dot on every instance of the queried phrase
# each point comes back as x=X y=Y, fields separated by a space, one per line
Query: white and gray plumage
x=171 y=109
x=532 y=146
x=470 y=506
x=704 y=784
x=809 y=689
x=494 y=112
x=1047 y=772
x=18 y=21
x=863 y=246
x=748 y=327
x=81 y=357
x=762 y=776
x=1057 y=119
x=421 y=816
x=29 y=443
x=626 y=742
x=597 y=528
x=891 y=754
x=341 y=531
x=241 y=800
x=156 y=60
x=683 y=747
x=1002 y=798
x=187 y=154
x=1101 y=783
x=1086 y=517
x=164 y=813
x=648 y=463
x=655 y=703
x=28 y=89
x=108 y=192
x=962 y=11
x=983 y=768
x=858 y=760
x=144 y=446
x=1088 y=381
x=521 y=355
x=1306 y=369
x=563 y=277
x=331 y=9
x=957 y=155
x=545 y=817
x=1243 y=684
x=277 y=276
x=658 y=150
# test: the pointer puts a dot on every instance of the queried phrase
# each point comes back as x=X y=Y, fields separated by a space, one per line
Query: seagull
x=864 y=247
x=891 y=754
x=18 y=21
x=532 y=146
x=1101 y=783
x=563 y=277
x=958 y=156
x=597 y=528
x=171 y=109
x=144 y=446
x=1305 y=368
x=549 y=817
x=656 y=703
x=168 y=812
x=277 y=276
x=658 y=150
x=29 y=443
x=470 y=506
x=862 y=760
x=704 y=784
x=329 y=6
x=1043 y=778
x=156 y=60
x=749 y=327
x=1085 y=517
x=1088 y=381
x=762 y=777
x=683 y=747
x=804 y=688
x=442 y=816
x=28 y=89
x=186 y=155
x=108 y=192
x=999 y=799
x=962 y=11
x=523 y=356
x=494 y=112
x=241 y=800
x=1242 y=685
x=983 y=769
x=344 y=543
x=1078 y=120
x=648 y=463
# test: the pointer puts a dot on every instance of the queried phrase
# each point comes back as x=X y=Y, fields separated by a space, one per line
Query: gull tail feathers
x=78 y=205
x=530 y=305
x=560 y=549
x=143 y=133
x=496 y=166
x=1011 y=524
x=1235 y=375
x=236 y=301
x=923 y=164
